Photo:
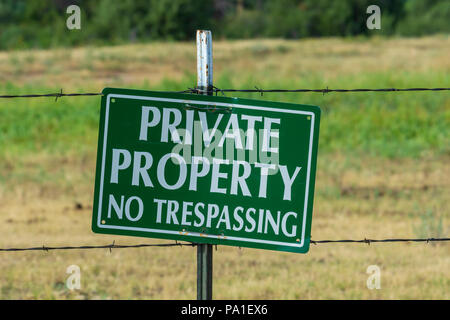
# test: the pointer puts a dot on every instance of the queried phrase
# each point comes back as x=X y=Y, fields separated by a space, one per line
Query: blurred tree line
x=32 y=23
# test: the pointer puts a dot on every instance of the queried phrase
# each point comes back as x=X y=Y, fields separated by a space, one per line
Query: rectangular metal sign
x=206 y=169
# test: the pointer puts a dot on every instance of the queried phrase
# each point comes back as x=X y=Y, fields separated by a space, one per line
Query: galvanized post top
x=204 y=60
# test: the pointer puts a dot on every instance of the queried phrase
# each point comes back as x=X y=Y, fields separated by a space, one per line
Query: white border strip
x=195 y=234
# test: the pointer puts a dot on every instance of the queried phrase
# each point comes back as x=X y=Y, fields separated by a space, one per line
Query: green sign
x=206 y=169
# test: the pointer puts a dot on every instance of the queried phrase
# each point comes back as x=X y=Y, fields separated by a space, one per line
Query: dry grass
x=360 y=203
x=46 y=197
x=328 y=59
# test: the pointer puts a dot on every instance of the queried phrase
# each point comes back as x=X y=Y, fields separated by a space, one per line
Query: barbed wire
x=323 y=91
x=369 y=241
x=216 y=90
x=189 y=244
x=107 y=246
x=56 y=95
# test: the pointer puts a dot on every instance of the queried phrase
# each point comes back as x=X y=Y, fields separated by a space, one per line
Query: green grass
x=403 y=124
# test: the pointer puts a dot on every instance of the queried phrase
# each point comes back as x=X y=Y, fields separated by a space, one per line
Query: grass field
x=383 y=170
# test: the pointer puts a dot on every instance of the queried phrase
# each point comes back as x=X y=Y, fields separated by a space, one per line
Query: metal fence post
x=204 y=83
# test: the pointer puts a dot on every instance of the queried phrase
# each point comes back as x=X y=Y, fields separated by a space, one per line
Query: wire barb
x=112 y=246
x=216 y=90
x=261 y=92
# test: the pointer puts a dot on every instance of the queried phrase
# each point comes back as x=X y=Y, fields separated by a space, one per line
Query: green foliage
x=43 y=23
x=246 y=24
x=425 y=17
x=143 y=19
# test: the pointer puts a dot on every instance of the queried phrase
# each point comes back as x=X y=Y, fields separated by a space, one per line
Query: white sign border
x=196 y=234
